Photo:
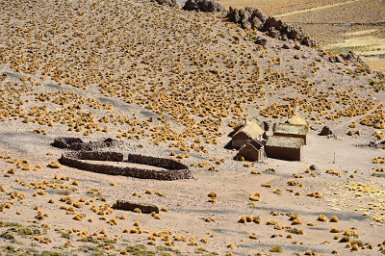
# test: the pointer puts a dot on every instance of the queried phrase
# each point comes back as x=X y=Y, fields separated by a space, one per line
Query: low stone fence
x=130 y=206
x=173 y=170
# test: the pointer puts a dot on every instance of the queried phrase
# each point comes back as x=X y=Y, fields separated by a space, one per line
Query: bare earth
x=173 y=84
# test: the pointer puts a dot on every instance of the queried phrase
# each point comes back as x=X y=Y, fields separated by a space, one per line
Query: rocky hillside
x=172 y=83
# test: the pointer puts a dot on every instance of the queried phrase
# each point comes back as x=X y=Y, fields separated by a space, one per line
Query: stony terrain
x=173 y=83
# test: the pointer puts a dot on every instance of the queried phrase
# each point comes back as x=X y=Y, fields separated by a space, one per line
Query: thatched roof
x=284 y=142
x=284 y=128
x=251 y=129
x=297 y=120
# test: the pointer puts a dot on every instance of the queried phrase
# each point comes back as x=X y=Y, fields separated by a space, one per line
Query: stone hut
x=253 y=151
x=285 y=148
x=290 y=130
x=247 y=133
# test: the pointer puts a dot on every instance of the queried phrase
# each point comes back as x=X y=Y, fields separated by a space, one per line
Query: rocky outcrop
x=203 y=6
x=173 y=170
x=129 y=206
x=248 y=18
x=352 y=57
x=252 y=18
x=166 y=2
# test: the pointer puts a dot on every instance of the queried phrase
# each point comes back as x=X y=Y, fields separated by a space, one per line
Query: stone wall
x=173 y=169
x=130 y=206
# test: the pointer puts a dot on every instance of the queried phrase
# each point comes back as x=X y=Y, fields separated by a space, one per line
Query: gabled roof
x=248 y=146
x=284 y=142
x=285 y=128
x=251 y=129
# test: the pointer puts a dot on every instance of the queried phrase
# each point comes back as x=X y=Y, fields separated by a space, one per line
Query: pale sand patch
x=376 y=64
x=316 y=9
x=360 y=33
x=364 y=45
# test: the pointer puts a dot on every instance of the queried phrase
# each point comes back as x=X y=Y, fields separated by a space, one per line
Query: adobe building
x=290 y=130
x=285 y=148
x=253 y=151
x=247 y=133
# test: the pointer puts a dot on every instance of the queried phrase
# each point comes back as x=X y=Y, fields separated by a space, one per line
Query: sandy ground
x=175 y=88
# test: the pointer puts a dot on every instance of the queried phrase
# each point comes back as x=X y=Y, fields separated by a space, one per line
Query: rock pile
x=252 y=18
x=202 y=5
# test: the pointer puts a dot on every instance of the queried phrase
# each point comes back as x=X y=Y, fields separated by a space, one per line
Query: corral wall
x=173 y=169
x=291 y=154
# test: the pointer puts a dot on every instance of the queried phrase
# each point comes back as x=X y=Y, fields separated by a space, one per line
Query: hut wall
x=303 y=137
x=291 y=154
x=239 y=140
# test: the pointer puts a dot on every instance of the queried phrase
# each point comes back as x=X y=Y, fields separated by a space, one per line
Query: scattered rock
x=377 y=144
x=203 y=6
x=335 y=59
x=132 y=207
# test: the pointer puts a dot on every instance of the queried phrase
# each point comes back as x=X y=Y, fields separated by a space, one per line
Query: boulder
x=285 y=46
x=166 y=2
x=272 y=22
x=249 y=17
x=334 y=59
x=326 y=131
x=203 y=6
x=261 y=41
x=272 y=32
